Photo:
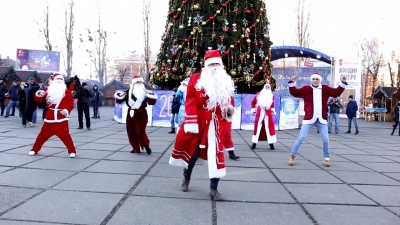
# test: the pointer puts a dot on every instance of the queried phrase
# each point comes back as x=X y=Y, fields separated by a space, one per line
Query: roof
x=280 y=52
x=113 y=82
x=386 y=92
x=25 y=75
x=91 y=83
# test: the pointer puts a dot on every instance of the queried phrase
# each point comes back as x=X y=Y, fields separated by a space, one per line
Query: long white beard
x=138 y=90
x=218 y=86
x=265 y=99
x=56 y=92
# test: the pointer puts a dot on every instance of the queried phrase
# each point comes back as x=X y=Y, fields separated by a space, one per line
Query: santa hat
x=316 y=75
x=212 y=56
x=136 y=78
x=57 y=75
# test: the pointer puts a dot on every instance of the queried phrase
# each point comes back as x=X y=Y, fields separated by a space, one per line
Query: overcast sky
x=335 y=26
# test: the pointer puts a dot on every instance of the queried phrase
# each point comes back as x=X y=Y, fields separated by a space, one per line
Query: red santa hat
x=136 y=78
x=212 y=56
x=316 y=75
x=57 y=76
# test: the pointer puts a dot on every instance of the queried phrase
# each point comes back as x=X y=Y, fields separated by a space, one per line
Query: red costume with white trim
x=202 y=128
x=263 y=119
x=136 y=119
x=56 y=120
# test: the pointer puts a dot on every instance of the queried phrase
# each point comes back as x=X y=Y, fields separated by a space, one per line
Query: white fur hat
x=316 y=75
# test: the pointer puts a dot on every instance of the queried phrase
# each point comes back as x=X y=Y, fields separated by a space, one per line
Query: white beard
x=265 y=99
x=218 y=86
x=138 y=90
x=56 y=92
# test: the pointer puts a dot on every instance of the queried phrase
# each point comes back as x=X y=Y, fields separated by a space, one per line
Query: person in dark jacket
x=83 y=95
x=96 y=102
x=13 y=103
x=3 y=91
x=351 y=112
x=31 y=104
x=22 y=105
x=396 y=118
x=174 y=111
x=334 y=110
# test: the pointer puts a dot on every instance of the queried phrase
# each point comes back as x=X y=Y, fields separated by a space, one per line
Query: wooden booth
x=388 y=97
x=109 y=91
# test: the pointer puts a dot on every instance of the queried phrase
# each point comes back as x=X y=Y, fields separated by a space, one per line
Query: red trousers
x=61 y=130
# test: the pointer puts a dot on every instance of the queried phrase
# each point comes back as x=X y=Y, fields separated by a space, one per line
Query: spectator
x=3 y=91
x=96 y=102
x=13 y=103
x=31 y=104
x=83 y=95
x=174 y=111
x=334 y=110
x=351 y=112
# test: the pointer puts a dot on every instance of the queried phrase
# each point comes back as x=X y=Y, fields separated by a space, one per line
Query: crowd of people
x=201 y=116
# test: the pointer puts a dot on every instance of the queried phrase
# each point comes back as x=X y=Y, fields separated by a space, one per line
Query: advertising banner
x=238 y=109
x=277 y=105
x=162 y=108
x=247 y=118
x=289 y=113
x=38 y=60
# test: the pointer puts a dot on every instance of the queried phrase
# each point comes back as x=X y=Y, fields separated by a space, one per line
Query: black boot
x=172 y=131
x=214 y=194
x=253 y=146
x=232 y=155
x=148 y=150
x=271 y=146
x=185 y=181
x=393 y=131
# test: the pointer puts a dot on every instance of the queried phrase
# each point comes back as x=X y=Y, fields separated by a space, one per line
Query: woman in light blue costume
x=181 y=94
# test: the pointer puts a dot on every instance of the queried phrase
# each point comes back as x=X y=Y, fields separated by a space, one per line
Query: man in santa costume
x=137 y=97
x=264 y=127
x=208 y=103
x=227 y=139
x=59 y=103
x=315 y=104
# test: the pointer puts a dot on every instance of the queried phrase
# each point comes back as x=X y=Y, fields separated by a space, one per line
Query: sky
x=336 y=27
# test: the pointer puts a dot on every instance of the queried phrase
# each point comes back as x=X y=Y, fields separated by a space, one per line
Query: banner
x=162 y=108
x=38 y=60
x=277 y=106
x=289 y=113
x=247 y=118
x=238 y=109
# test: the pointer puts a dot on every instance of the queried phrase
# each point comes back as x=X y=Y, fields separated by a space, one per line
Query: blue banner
x=238 y=109
x=247 y=121
x=162 y=108
x=289 y=113
x=277 y=106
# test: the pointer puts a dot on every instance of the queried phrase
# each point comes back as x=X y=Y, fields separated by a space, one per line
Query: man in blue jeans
x=13 y=103
x=315 y=103
x=351 y=112
x=334 y=110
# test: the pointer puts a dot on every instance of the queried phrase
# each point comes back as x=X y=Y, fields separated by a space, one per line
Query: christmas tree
x=237 y=28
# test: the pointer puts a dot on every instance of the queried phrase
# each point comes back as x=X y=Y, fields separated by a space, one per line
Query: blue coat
x=351 y=109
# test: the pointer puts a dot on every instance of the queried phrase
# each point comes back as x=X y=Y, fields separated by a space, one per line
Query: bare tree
x=302 y=27
x=69 y=30
x=146 y=34
x=98 y=54
x=44 y=28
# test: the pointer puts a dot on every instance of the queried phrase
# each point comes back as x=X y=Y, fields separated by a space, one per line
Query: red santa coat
x=227 y=139
x=263 y=119
x=315 y=100
x=53 y=114
x=136 y=124
x=206 y=129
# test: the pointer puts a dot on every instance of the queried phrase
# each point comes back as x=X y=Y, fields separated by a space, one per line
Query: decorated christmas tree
x=237 y=28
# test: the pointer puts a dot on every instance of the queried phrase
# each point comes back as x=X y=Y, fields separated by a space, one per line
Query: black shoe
x=88 y=128
x=98 y=117
x=172 y=131
x=232 y=155
x=357 y=132
x=336 y=132
x=185 y=185
x=93 y=117
x=215 y=195
x=148 y=150
x=271 y=146
x=253 y=146
x=79 y=128
x=348 y=132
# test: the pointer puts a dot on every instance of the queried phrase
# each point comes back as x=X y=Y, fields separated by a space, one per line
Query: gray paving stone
x=44 y=152
x=133 y=157
x=238 y=213
x=346 y=166
x=334 y=214
x=383 y=167
x=4 y=168
x=393 y=175
x=87 y=154
x=16 y=160
x=384 y=152
x=304 y=176
x=395 y=210
x=66 y=207
x=123 y=167
x=161 y=211
x=33 y=178
x=99 y=182
x=364 y=178
x=11 y=196
x=327 y=194
x=283 y=163
x=384 y=195
x=249 y=174
x=19 y=222
x=246 y=162
x=171 y=188
x=57 y=163
x=102 y=146
x=366 y=158
x=9 y=147
x=254 y=192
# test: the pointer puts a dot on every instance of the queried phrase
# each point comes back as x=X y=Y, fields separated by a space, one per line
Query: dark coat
x=3 y=90
x=396 y=113
x=175 y=105
x=351 y=109
x=97 y=97
x=83 y=96
x=334 y=106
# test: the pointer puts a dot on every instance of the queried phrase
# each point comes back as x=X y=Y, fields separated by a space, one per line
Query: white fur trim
x=177 y=162
x=119 y=97
x=213 y=60
x=152 y=96
x=191 y=128
x=66 y=112
x=213 y=171
x=254 y=139
x=253 y=110
x=134 y=80
x=315 y=75
x=292 y=84
x=343 y=85
x=230 y=149
x=273 y=109
x=202 y=146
